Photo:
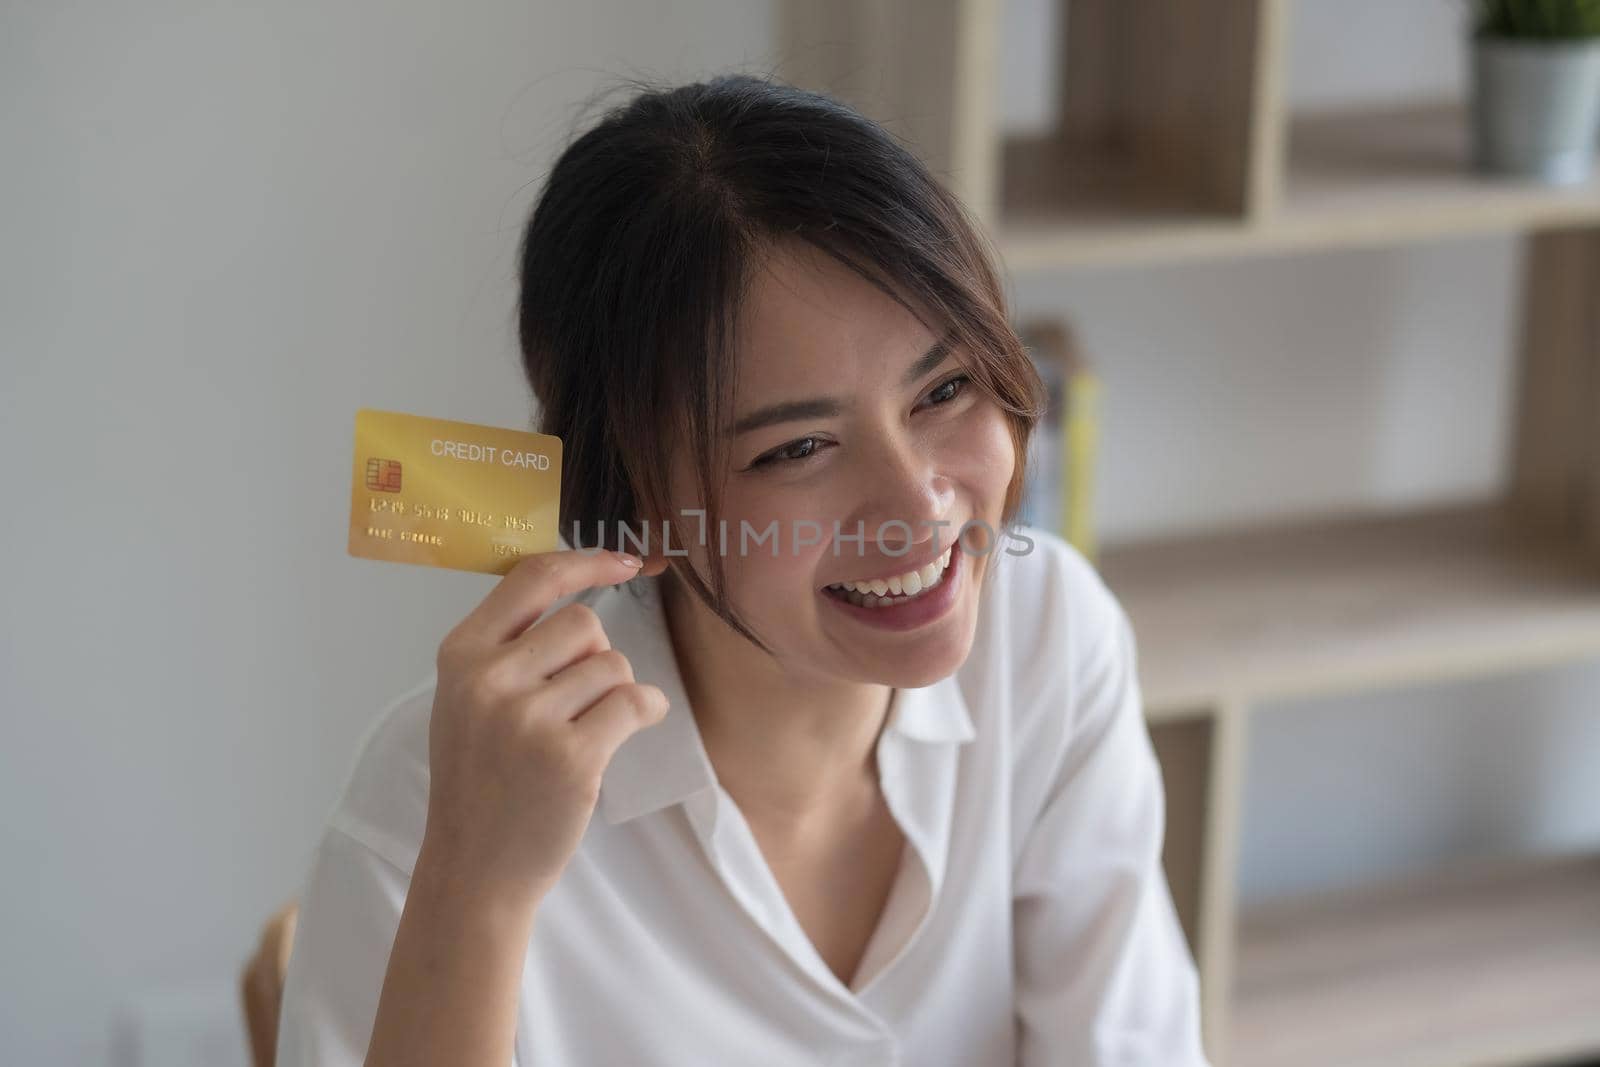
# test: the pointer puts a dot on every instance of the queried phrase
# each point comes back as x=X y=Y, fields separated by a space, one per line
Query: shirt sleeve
x=349 y=911
x=1104 y=974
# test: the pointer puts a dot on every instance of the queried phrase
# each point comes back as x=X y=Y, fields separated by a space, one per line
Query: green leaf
x=1538 y=19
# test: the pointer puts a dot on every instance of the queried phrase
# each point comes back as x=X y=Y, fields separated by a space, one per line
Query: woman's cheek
x=981 y=456
x=761 y=575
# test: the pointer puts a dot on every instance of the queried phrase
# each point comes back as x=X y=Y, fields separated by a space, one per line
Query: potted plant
x=1536 y=88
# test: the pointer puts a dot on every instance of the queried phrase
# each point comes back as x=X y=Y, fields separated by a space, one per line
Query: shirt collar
x=667 y=763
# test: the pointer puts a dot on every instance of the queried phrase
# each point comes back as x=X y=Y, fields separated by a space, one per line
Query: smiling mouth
x=897 y=589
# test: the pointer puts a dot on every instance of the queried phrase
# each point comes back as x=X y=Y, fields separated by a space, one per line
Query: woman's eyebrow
x=827 y=406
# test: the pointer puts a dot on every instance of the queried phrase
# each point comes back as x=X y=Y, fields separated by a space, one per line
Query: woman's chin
x=923 y=662
x=915 y=679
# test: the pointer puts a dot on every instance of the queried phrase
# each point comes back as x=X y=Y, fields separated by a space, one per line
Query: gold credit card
x=452 y=494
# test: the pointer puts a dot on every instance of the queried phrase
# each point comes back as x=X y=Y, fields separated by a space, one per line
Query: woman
x=845 y=768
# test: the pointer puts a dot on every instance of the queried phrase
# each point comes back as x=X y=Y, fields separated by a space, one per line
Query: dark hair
x=637 y=255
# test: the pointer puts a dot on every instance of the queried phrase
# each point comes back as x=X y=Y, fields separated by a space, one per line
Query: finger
x=529 y=588
x=583 y=683
x=618 y=715
x=550 y=646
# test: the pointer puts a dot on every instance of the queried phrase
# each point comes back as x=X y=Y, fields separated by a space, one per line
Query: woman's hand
x=527 y=713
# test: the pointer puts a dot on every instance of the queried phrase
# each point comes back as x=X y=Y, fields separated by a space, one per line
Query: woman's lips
x=919 y=610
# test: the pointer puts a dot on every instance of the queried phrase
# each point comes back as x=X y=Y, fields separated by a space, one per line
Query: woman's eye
x=947 y=390
x=792 y=452
x=806 y=447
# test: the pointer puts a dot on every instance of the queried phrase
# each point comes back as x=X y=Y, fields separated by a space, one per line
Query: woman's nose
x=905 y=495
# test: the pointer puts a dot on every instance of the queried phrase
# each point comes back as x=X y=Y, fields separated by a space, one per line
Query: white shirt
x=1030 y=921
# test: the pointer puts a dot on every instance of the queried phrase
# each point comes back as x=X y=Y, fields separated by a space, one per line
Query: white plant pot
x=1535 y=108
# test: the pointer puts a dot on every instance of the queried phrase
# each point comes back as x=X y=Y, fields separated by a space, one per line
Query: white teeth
x=908 y=585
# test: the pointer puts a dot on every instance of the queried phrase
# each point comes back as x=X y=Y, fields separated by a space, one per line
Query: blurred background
x=226 y=227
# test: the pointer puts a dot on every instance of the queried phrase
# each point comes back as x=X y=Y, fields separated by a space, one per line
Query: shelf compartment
x=1155 y=116
x=1476 y=965
x=1403 y=172
x=1325 y=606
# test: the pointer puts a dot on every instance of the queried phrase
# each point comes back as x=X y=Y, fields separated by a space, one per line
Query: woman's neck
x=795 y=748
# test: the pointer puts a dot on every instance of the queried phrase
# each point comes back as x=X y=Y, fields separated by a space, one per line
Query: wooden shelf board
x=1477 y=966
x=1110 y=237
x=1377 y=176
x=1317 y=607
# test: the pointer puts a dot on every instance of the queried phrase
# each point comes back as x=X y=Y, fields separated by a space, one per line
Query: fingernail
x=629 y=559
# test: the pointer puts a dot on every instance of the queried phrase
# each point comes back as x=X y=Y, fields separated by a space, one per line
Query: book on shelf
x=1059 y=492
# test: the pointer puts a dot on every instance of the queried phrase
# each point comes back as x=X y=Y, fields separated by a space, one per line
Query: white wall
x=225 y=228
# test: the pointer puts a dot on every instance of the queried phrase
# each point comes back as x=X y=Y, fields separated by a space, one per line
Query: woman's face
x=848 y=415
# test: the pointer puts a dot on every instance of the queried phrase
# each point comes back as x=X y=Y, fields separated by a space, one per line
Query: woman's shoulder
x=1046 y=628
x=1043 y=601
x=384 y=799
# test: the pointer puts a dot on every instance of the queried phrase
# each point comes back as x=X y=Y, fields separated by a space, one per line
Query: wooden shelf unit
x=1175 y=143
x=1483 y=964
x=1230 y=621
